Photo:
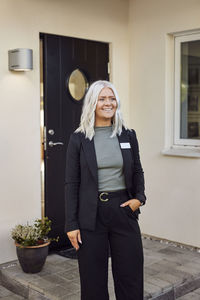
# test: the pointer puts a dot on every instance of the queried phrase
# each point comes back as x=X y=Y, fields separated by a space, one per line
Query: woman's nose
x=108 y=101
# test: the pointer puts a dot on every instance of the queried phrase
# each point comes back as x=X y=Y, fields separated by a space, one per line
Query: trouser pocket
x=130 y=212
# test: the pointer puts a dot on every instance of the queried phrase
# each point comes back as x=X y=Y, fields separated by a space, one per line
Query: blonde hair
x=87 y=121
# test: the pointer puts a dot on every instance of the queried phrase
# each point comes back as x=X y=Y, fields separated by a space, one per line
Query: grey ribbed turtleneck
x=109 y=160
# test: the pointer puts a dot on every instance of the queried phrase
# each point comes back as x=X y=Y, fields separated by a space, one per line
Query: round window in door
x=77 y=84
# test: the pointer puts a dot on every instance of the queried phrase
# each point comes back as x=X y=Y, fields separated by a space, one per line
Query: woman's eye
x=110 y=99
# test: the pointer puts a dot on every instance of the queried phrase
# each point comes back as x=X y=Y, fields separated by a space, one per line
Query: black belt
x=106 y=196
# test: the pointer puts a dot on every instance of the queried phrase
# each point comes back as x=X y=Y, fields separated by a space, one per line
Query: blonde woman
x=104 y=189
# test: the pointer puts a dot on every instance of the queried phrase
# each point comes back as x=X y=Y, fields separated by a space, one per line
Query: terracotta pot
x=32 y=258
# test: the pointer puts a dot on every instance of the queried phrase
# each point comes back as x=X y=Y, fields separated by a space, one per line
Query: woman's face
x=106 y=106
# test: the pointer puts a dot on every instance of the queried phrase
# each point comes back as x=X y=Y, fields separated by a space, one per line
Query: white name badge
x=125 y=145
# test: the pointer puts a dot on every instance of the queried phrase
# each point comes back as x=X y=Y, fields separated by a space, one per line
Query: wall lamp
x=20 y=59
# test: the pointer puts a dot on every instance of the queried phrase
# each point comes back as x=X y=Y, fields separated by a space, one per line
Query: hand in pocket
x=133 y=203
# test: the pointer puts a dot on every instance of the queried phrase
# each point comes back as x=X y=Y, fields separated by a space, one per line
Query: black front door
x=69 y=65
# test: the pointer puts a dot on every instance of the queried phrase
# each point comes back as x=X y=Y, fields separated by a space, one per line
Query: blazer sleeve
x=72 y=183
x=138 y=174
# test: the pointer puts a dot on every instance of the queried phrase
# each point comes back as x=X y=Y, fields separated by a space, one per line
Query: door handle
x=51 y=144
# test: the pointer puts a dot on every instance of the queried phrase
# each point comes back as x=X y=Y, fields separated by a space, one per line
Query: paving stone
x=183 y=276
x=191 y=267
x=76 y=296
x=50 y=268
x=9 y=264
x=16 y=272
x=35 y=295
x=40 y=285
x=188 y=253
x=72 y=262
x=190 y=296
x=54 y=258
x=152 y=289
x=64 y=263
x=14 y=286
x=65 y=266
x=174 y=255
x=164 y=285
x=155 y=253
x=150 y=271
x=56 y=292
x=197 y=291
x=12 y=297
x=147 y=295
x=169 y=272
x=180 y=259
x=153 y=245
x=70 y=274
x=168 y=295
x=195 y=259
x=172 y=279
x=4 y=292
x=47 y=288
x=170 y=251
x=186 y=287
x=56 y=279
x=149 y=260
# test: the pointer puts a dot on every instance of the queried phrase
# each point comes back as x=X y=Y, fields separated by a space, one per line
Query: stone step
x=170 y=273
x=195 y=295
x=49 y=284
x=6 y=294
x=179 y=291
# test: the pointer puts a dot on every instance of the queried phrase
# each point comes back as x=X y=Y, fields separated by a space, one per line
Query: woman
x=104 y=190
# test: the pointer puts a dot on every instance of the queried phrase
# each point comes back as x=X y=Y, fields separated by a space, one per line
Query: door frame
x=42 y=129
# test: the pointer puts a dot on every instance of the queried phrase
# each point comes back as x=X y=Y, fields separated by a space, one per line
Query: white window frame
x=177 y=113
x=172 y=147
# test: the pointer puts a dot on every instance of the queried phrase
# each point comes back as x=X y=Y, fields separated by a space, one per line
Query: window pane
x=190 y=90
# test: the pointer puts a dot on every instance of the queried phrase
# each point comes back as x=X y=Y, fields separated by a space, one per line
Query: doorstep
x=170 y=273
x=195 y=295
x=6 y=294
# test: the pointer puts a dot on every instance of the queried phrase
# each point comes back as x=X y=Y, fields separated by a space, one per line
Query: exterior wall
x=20 y=24
x=172 y=183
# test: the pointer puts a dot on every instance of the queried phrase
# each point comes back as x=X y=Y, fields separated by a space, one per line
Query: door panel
x=61 y=56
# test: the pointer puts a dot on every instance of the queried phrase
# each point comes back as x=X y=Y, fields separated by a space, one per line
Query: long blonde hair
x=87 y=121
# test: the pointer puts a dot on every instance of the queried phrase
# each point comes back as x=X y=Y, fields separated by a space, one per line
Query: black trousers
x=116 y=227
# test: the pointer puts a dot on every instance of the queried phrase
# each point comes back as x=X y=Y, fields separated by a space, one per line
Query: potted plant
x=32 y=244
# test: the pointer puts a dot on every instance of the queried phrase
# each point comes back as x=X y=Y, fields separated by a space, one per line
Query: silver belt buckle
x=100 y=196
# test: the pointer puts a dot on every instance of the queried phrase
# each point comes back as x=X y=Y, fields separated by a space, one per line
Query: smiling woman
x=100 y=92
x=104 y=188
x=105 y=108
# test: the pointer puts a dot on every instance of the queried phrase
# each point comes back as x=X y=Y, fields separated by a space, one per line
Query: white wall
x=172 y=183
x=20 y=24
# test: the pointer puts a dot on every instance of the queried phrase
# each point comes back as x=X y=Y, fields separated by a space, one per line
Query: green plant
x=43 y=225
x=33 y=235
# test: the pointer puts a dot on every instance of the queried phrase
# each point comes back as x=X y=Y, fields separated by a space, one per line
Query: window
x=187 y=90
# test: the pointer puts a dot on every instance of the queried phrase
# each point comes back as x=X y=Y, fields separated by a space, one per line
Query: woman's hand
x=74 y=237
x=133 y=203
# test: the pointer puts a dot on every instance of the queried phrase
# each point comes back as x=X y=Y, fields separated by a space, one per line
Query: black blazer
x=81 y=179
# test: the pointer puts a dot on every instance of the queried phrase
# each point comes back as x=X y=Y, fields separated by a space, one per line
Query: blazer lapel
x=89 y=150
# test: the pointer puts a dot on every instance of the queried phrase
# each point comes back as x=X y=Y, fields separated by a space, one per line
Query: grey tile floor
x=170 y=273
x=191 y=296
x=5 y=294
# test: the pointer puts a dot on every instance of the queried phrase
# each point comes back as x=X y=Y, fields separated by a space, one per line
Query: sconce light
x=20 y=59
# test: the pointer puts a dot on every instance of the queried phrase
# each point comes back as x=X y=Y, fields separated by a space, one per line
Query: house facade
x=146 y=55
